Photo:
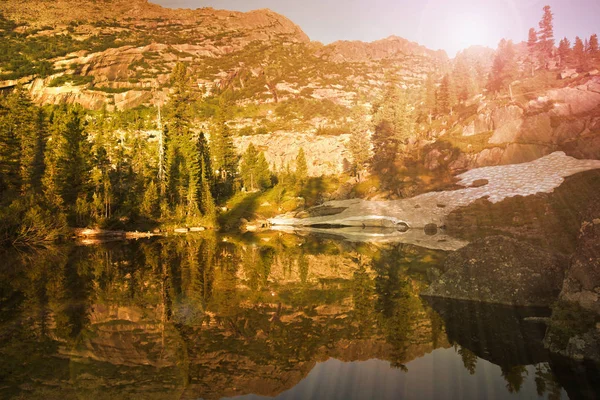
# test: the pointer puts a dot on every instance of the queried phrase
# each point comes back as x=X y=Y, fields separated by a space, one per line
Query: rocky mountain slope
x=119 y=55
x=288 y=91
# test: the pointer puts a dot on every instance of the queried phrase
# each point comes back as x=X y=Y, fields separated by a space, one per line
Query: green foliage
x=23 y=54
x=359 y=143
x=28 y=221
x=68 y=155
x=75 y=80
x=254 y=170
x=385 y=150
x=301 y=167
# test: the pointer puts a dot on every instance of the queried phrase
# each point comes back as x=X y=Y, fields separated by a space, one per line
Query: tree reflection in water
x=207 y=316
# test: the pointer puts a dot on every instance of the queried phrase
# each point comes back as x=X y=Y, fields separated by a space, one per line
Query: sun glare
x=467 y=30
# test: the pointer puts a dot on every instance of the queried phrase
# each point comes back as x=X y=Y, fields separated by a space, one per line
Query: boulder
x=432 y=159
x=568 y=130
x=568 y=73
x=503 y=270
x=516 y=153
x=507 y=122
x=579 y=101
x=535 y=129
x=489 y=157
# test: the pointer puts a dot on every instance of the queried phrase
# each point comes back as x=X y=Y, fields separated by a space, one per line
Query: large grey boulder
x=507 y=123
x=502 y=270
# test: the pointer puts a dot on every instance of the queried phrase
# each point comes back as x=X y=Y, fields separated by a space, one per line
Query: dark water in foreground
x=275 y=315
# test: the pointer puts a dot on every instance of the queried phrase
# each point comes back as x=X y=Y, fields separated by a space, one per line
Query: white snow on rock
x=539 y=176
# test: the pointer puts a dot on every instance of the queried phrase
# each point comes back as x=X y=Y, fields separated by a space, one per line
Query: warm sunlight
x=267 y=199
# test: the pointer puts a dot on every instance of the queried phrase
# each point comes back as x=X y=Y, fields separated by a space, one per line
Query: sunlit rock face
x=325 y=155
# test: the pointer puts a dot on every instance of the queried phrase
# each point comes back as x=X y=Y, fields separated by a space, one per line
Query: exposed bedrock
x=493 y=183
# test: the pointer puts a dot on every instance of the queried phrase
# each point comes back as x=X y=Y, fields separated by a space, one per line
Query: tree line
x=63 y=166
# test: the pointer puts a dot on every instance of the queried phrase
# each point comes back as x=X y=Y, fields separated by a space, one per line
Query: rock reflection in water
x=211 y=317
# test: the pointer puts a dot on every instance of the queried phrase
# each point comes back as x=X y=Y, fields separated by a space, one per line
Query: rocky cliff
x=119 y=55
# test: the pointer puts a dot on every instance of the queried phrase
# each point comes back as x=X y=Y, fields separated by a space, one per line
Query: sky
x=437 y=24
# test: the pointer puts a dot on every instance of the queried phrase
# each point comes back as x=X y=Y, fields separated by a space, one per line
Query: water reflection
x=272 y=315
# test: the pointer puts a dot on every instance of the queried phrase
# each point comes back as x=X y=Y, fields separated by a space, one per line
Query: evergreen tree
x=207 y=202
x=593 y=46
x=429 y=100
x=67 y=155
x=463 y=83
x=579 y=56
x=248 y=168
x=10 y=153
x=444 y=102
x=546 y=34
x=564 y=50
x=100 y=178
x=385 y=150
x=359 y=144
x=150 y=205
x=301 y=166
x=398 y=112
x=532 y=48
x=504 y=68
x=226 y=157
x=532 y=42
x=263 y=172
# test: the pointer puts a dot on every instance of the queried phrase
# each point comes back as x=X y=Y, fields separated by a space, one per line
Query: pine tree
x=532 y=48
x=532 y=42
x=385 y=151
x=248 y=168
x=359 y=144
x=504 y=68
x=398 y=111
x=564 y=50
x=10 y=153
x=593 y=46
x=429 y=100
x=225 y=157
x=67 y=155
x=263 y=171
x=150 y=205
x=546 y=34
x=579 y=56
x=301 y=167
x=443 y=98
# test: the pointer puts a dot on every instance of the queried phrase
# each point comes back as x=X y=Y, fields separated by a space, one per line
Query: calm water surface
x=274 y=315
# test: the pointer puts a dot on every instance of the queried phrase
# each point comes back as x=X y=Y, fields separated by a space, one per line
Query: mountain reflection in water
x=275 y=315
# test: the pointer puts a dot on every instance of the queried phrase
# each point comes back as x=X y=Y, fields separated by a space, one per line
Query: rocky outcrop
x=257 y=25
x=540 y=176
x=563 y=118
x=324 y=154
x=501 y=270
x=507 y=122
x=389 y=48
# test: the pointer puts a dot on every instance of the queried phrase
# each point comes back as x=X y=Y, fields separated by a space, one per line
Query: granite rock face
x=502 y=270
